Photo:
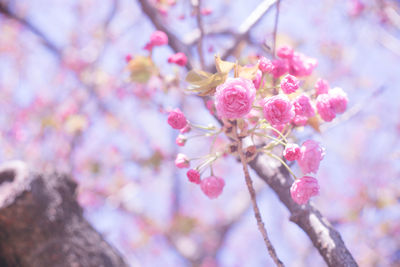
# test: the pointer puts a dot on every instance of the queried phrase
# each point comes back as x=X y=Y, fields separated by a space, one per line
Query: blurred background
x=67 y=104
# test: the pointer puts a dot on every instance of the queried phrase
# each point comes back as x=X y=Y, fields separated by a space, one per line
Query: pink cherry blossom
x=301 y=65
x=324 y=107
x=311 y=154
x=212 y=186
x=234 y=98
x=177 y=119
x=265 y=65
x=182 y=161
x=291 y=152
x=338 y=100
x=178 y=59
x=321 y=86
x=304 y=188
x=289 y=84
x=193 y=176
x=280 y=67
x=303 y=110
x=278 y=110
x=285 y=52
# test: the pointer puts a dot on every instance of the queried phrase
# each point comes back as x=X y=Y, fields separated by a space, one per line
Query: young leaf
x=223 y=66
x=248 y=72
x=314 y=123
x=141 y=69
x=203 y=82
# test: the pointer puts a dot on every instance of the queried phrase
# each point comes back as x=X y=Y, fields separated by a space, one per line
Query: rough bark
x=41 y=223
x=322 y=234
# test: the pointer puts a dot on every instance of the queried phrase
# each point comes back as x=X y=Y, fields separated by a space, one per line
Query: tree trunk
x=41 y=223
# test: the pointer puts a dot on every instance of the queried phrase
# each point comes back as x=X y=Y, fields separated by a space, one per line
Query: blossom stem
x=278 y=132
x=272 y=138
x=281 y=161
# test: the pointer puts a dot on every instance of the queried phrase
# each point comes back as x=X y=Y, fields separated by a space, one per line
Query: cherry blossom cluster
x=265 y=101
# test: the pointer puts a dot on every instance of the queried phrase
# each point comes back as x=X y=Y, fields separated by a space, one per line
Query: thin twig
x=257 y=214
x=248 y=24
x=275 y=28
x=197 y=6
x=174 y=42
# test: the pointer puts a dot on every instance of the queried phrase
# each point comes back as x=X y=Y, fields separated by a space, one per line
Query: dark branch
x=174 y=42
x=324 y=237
x=43 y=38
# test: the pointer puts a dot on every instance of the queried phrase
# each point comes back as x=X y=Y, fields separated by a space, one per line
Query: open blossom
x=324 y=107
x=234 y=98
x=212 y=186
x=280 y=67
x=285 y=52
x=289 y=84
x=278 y=110
x=321 y=86
x=303 y=110
x=265 y=65
x=193 y=176
x=301 y=65
x=338 y=100
x=177 y=119
x=182 y=161
x=291 y=152
x=158 y=38
x=180 y=140
x=178 y=59
x=311 y=154
x=304 y=188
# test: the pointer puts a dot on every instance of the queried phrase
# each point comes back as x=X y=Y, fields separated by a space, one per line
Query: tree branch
x=324 y=237
x=47 y=43
x=248 y=24
x=174 y=42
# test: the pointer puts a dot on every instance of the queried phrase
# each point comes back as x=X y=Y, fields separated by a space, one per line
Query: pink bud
x=212 y=186
x=128 y=58
x=193 y=176
x=291 y=152
x=206 y=11
x=178 y=58
x=177 y=119
x=158 y=38
x=180 y=140
x=304 y=188
x=182 y=161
